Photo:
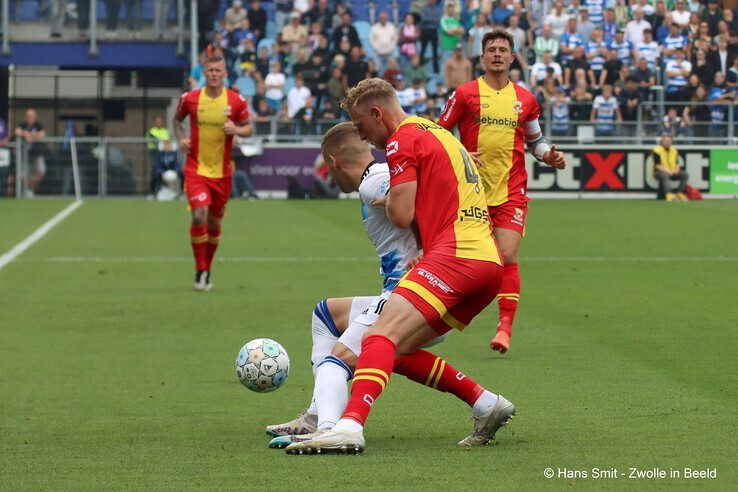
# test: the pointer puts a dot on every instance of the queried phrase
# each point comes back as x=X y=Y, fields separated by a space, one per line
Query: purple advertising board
x=271 y=170
x=590 y=168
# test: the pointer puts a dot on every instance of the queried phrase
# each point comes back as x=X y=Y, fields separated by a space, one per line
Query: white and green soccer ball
x=262 y=365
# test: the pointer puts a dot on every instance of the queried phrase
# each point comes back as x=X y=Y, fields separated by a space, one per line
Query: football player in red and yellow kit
x=496 y=118
x=216 y=115
x=435 y=187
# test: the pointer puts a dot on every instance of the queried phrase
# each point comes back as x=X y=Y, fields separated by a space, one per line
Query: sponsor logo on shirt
x=397 y=169
x=392 y=148
x=426 y=126
x=489 y=120
x=452 y=103
x=474 y=213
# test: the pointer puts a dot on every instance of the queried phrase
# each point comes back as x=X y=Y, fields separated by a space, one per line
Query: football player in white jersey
x=338 y=324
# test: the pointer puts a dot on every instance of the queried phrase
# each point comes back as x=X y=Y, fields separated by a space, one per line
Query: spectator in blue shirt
x=430 y=16
x=501 y=13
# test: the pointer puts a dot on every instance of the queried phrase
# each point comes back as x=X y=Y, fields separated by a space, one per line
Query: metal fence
x=122 y=165
x=689 y=122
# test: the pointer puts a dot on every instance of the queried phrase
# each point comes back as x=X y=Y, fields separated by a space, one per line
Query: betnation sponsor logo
x=211 y=124
x=489 y=120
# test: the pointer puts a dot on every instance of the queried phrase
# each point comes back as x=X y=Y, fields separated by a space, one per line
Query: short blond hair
x=343 y=140
x=370 y=90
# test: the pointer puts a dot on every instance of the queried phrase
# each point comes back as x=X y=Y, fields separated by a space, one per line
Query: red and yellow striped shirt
x=449 y=206
x=494 y=122
x=210 y=147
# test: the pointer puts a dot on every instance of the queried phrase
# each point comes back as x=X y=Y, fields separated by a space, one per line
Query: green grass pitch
x=114 y=374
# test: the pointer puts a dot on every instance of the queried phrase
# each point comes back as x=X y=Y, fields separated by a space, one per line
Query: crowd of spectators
x=597 y=61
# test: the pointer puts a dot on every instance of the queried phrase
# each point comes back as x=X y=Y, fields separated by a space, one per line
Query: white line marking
x=327 y=259
x=22 y=246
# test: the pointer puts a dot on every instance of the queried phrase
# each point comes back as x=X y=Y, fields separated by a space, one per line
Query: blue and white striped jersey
x=597 y=62
x=605 y=112
x=677 y=80
x=672 y=43
x=649 y=51
x=596 y=9
x=624 y=49
x=395 y=247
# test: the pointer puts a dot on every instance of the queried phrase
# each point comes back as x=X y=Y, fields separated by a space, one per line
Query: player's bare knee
x=339 y=309
x=407 y=347
x=213 y=222
x=509 y=256
x=199 y=216
x=345 y=354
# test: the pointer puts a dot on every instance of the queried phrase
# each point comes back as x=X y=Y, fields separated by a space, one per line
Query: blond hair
x=343 y=140
x=370 y=90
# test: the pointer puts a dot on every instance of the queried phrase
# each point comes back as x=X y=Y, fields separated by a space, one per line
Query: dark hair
x=498 y=33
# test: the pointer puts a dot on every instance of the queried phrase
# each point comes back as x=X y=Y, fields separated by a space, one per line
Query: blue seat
x=101 y=11
x=360 y=11
x=271 y=30
x=266 y=42
x=289 y=83
x=246 y=87
x=269 y=9
x=367 y=47
x=362 y=28
x=385 y=5
x=404 y=6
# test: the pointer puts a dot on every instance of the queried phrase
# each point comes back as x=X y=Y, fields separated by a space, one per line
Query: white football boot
x=282 y=442
x=305 y=423
x=487 y=424
x=202 y=281
x=330 y=441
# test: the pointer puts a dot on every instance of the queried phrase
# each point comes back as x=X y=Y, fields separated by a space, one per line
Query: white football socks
x=313 y=408
x=485 y=401
x=331 y=393
x=323 y=341
x=348 y=425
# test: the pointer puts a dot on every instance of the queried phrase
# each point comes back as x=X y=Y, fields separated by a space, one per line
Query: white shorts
x=364 y=313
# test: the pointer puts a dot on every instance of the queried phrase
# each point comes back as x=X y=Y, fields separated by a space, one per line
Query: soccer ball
x=262 y=365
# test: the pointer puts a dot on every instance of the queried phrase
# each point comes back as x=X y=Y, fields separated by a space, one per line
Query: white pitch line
x=340 y=259
x=22 y=246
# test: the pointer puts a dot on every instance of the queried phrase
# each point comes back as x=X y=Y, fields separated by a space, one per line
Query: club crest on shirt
x=227 y=110
x=518 y=106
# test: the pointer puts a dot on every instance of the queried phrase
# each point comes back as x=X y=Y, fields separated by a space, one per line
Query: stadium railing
x=122 y=165
x=648 y=125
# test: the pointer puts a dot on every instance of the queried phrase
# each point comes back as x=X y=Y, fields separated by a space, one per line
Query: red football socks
x=509 y=294
x=199 y=240
x=372 y=373
x=212 y=245
x=428 y=369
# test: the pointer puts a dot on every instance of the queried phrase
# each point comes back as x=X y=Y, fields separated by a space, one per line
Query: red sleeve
x=453 y=110
x=183 y=106
x=241 y=110
x=402 y=159
x=534 y=111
